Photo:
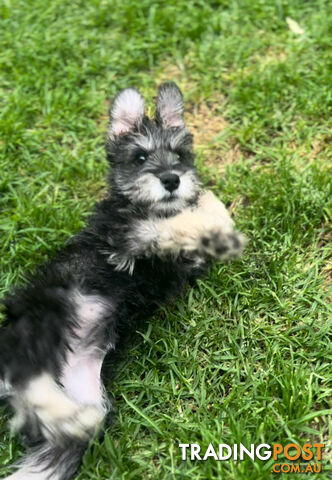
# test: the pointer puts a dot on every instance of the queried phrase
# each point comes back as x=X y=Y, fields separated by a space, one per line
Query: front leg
x=205 y=232
x=220 y=240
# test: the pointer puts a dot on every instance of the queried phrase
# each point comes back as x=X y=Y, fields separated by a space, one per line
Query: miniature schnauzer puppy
x=155 y=232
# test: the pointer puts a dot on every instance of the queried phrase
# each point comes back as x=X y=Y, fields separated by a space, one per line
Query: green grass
x=244 y=356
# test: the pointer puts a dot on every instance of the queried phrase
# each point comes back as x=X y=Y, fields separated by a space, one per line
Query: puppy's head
x=152 y=159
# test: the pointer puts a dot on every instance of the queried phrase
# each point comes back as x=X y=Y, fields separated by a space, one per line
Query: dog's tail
x=47 y=462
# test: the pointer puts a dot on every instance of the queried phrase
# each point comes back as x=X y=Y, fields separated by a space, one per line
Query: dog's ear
x=127 y=112
x=169 y=108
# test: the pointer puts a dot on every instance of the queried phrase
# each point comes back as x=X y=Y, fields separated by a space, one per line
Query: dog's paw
x=78 y=422
x=221 y=246
x=210 y=230
x=204 y=235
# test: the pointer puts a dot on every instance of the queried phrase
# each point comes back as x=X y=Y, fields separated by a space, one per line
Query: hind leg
x=66 y=399
x=44 y=405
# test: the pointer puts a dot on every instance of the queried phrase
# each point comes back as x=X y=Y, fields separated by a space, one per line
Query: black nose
x=170 y=181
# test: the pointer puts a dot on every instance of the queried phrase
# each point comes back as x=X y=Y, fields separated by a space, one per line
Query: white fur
x=150 y=189
x=145 y=142
x=57 y=413
x=176 y=139
x=29 y=471
x=187 y=182
x=209 y=204
x=33 y=468
x=122 y=262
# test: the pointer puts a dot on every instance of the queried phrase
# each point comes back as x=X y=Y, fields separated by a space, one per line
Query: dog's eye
x=178 y=155
x=141 y=157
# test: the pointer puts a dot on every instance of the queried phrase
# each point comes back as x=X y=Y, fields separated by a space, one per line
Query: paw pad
x=222 y=246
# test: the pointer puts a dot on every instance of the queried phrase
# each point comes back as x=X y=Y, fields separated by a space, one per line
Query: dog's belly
x=81 y=377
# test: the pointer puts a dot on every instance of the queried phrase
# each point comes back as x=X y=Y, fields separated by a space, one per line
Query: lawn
x=243 y=356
